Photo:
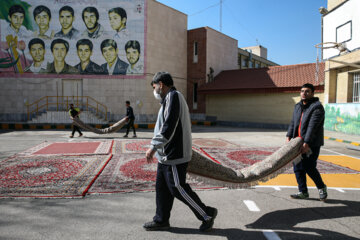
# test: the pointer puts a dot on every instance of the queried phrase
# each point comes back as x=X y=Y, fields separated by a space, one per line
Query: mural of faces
x=120 y=21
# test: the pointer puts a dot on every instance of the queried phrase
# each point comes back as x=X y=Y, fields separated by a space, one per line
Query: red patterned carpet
x=128 y=170
x=74 y=169
x=49 y=176
x=70 y=148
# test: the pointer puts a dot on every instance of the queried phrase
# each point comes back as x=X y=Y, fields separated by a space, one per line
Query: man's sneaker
x=134 y=136
x=71 y=136
x=80 y=135
x=300 y=195
x=208 y=224
x=155 y=226
x=323 y=193
x=125 y=136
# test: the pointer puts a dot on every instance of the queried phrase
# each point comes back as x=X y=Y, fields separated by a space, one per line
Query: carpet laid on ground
x=70 y=148
x=49 y=176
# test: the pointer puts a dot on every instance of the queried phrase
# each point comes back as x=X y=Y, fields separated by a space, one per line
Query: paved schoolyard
x=263 y=212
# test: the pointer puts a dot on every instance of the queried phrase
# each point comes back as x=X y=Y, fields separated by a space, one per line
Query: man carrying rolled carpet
x=308 y=123
x=74 y=113
x=172 y=146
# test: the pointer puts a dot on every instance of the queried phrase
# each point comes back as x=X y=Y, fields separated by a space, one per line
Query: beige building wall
x=331 y=4
x=166 y=50
x=254 y=108
x=342 y=88
x=220 y=46
x=339 y=79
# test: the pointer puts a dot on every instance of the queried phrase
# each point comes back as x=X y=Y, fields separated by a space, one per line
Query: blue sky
x=289 y=29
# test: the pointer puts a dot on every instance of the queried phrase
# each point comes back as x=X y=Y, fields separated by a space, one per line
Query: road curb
x=341 y=140
x=27 y=126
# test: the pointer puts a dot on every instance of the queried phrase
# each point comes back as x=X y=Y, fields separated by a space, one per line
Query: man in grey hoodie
x=172 y=146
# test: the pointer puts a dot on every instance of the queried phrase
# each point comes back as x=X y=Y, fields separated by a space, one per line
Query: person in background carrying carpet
x=308 y=123
x=131 y=118
x=173 y=148
x=74 y=113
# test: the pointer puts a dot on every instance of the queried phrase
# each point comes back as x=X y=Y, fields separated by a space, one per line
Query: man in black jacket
x=308 y=123
x=131 y=118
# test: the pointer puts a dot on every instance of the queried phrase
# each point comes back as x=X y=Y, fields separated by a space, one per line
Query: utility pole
x=221 y=1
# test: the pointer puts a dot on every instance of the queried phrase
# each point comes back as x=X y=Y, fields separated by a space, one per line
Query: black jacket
x=130 y=113
x=312 y=123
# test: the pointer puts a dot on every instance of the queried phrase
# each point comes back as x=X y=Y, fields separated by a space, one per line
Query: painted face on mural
x=84 y=53
x=59 y=52
x=66 y=19
x=16 y=20
x=37 y=52
x=132 y=55
x=306 y=94
x=90 y=20
x=110 y=54
x=116 y=22
x=42 y=20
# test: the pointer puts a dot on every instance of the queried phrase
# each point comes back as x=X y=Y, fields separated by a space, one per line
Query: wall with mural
x=57 y=38
x=343 y=117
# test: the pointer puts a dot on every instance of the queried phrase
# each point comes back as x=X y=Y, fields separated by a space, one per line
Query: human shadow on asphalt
x=236 y=234
x=288 y=219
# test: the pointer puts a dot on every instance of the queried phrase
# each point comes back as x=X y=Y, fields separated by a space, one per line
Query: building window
x=257 y=65
x=243 y=62
x=195 y=58
x=356 y=89
x=195 y=96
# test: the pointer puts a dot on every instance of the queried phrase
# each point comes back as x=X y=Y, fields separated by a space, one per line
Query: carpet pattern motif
x=49 y=176
x=70 y=148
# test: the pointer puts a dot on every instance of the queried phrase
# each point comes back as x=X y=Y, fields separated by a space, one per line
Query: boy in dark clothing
x=74 y=113
x=131 y=118
x=308 y=123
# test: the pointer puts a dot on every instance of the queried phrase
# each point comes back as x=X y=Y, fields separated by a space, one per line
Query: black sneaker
x=134 y=136
x=300 y=195
x=125 y=136
x=323 y=193
x=155 y=226
x=208 y=224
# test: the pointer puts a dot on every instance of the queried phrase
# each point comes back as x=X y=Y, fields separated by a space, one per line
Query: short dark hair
x=308 y=85
x=16 y=9
x=36 y=41
x=108 y=43
x=127 y=102
x=59 y=40
x=40 y=9
x=163 y=77
x=132 y=44
x=120 y=11
x=84 y=42
x=90 y=10
x=67 y=8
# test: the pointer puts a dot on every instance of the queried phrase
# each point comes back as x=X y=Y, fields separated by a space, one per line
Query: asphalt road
x=263 y=212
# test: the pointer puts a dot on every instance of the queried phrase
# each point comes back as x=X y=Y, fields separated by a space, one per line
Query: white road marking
x=340 y=153
x=295 y=187
x=277 y=188
x=339 y=189
x=251 y=206
x=271 y=235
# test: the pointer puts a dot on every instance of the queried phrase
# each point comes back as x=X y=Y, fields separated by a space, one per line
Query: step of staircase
x=56 y=117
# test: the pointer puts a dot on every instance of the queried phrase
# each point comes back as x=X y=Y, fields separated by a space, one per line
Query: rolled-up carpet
x=203 y=168
x=115 y=127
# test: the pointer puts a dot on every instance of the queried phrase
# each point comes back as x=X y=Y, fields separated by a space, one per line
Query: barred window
x=356 y=89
